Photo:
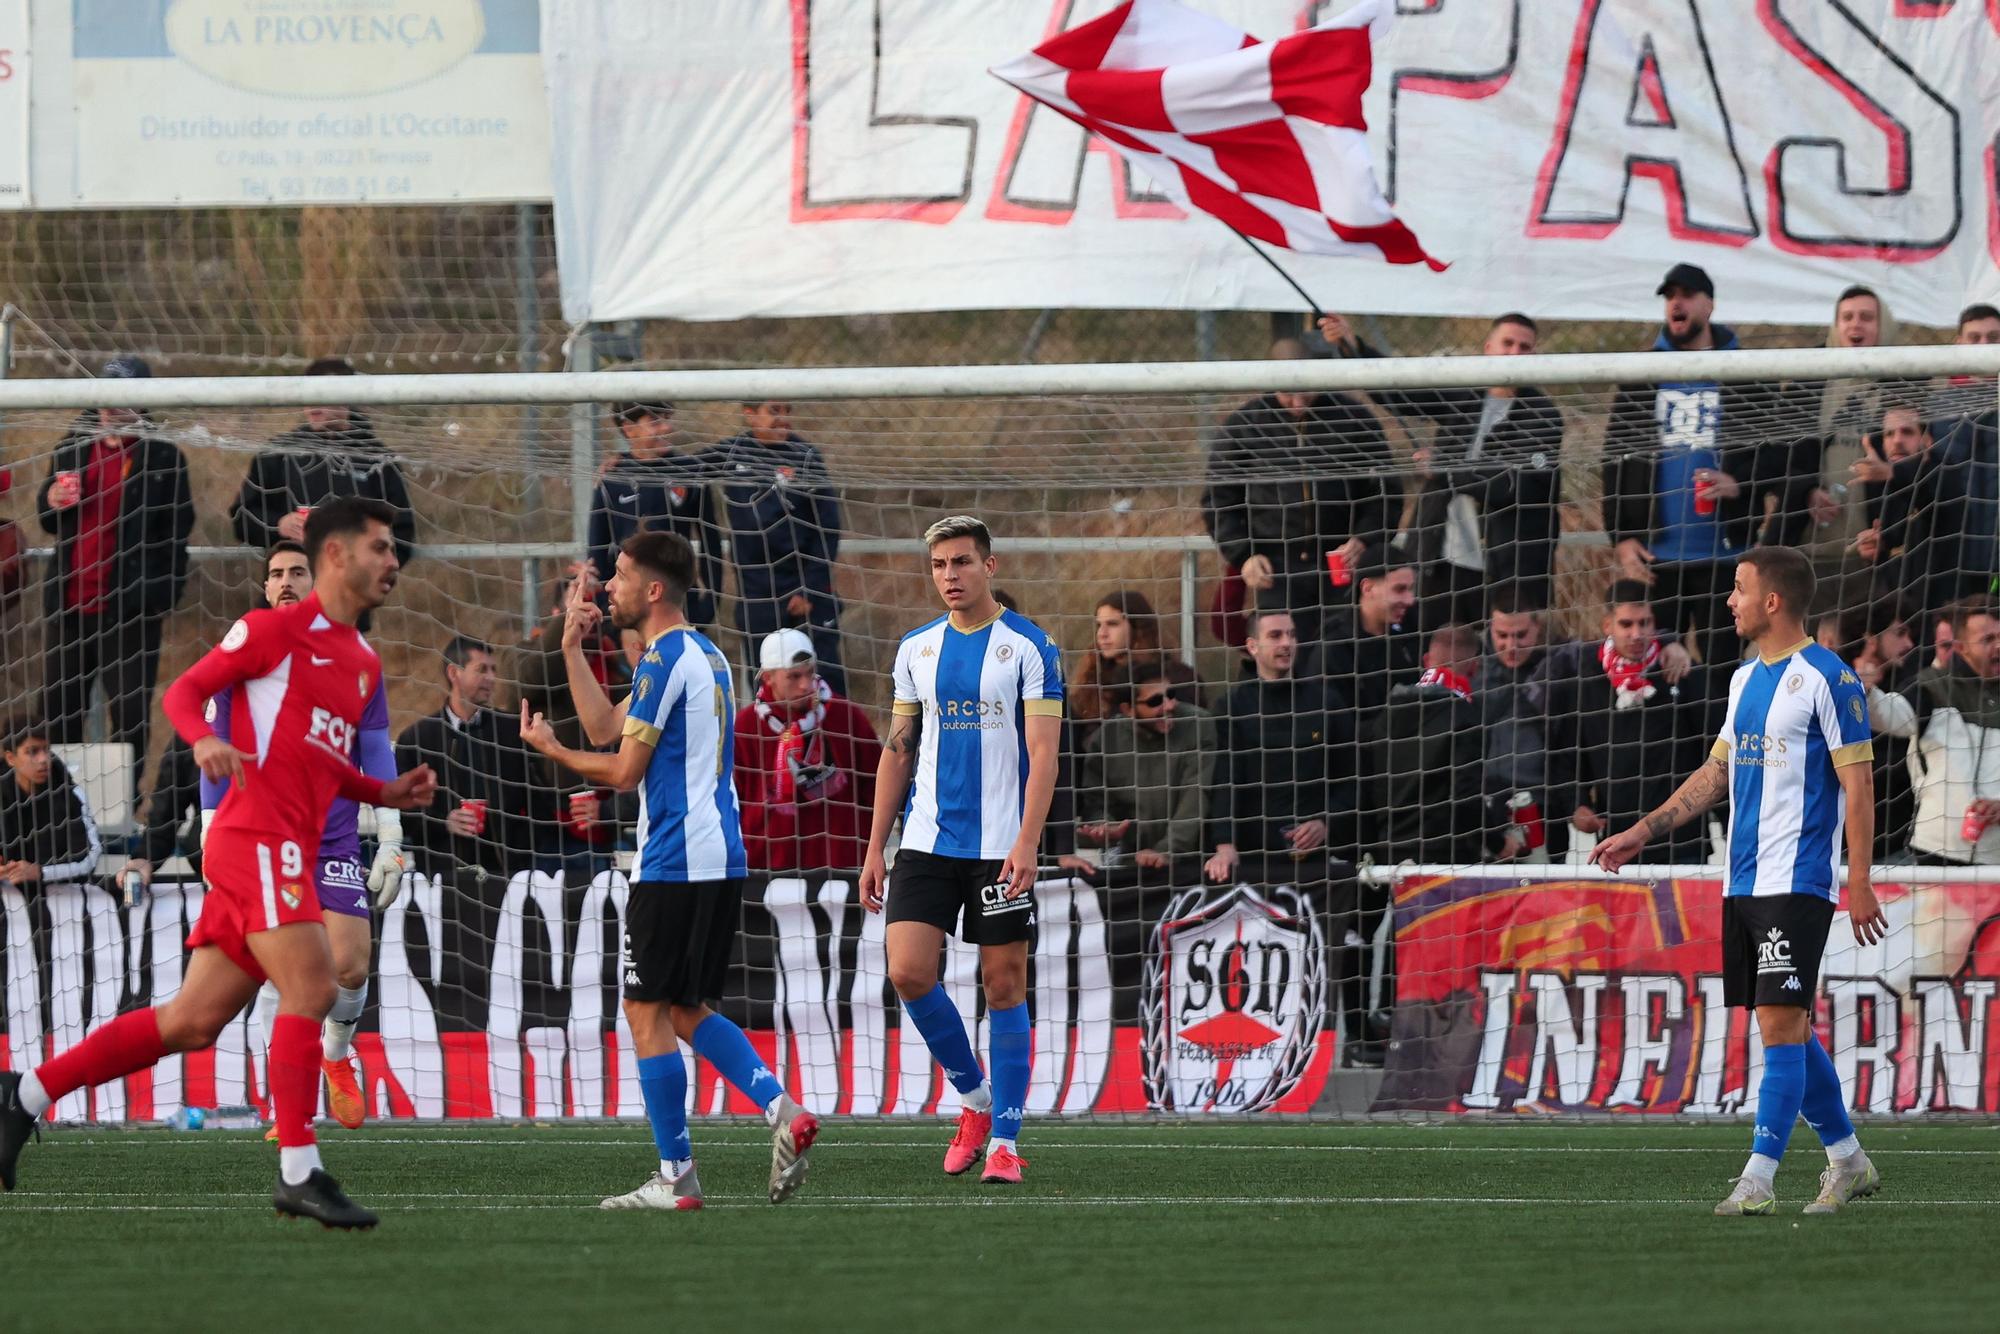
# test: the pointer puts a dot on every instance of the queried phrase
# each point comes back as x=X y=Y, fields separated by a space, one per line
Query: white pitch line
x=479 y=1204
x=341 y=1144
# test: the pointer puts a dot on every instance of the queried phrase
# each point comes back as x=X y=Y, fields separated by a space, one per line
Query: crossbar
x=852 y=382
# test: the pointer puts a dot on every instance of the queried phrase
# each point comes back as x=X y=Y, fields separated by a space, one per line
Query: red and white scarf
x=778 y=720
x=1450 y=680
x=1628 y=678
x=799 y=768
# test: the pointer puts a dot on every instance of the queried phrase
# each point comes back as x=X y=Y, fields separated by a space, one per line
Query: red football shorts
x=256 y=882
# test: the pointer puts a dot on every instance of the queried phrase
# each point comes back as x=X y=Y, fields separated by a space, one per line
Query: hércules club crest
x=1234 y=998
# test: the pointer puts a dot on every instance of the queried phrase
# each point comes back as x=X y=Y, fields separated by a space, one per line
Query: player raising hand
x=302 y=675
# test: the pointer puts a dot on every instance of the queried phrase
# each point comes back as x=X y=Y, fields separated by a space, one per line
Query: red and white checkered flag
x=1266 y=136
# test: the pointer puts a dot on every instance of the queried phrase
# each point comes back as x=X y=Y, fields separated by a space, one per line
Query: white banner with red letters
x=13 y=104
x=824 y=157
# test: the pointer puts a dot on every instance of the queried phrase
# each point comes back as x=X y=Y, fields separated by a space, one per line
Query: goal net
x=1361 y=659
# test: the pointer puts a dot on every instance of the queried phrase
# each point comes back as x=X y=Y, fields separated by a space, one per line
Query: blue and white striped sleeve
x=652 y=697
x=1724 y=748
x=1843 y=719
x=906 y=702
x=1041 y=676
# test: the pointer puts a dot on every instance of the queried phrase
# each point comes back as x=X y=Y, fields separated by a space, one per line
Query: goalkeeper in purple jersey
x=343 y=887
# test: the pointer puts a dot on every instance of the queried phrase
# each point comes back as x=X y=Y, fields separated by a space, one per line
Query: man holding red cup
x=119 y=505
x=1687 y=466
x=481 y=830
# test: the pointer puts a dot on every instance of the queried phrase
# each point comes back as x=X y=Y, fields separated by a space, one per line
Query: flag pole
x=1291 y=282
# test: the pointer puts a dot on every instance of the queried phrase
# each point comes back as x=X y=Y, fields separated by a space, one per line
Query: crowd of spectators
x=1400 y=696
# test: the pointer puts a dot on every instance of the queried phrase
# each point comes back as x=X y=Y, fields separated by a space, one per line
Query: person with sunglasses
x=1143 y=789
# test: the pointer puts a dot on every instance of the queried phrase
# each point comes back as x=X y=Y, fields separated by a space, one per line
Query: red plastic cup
x=1971 y=827
x=581 y=820
x=1336 y=570
x=1704 y=497
x=476 y=807
x=71 y=482
x=1527 y=814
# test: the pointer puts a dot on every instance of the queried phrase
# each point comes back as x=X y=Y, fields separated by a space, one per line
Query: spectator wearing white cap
x=805 y=766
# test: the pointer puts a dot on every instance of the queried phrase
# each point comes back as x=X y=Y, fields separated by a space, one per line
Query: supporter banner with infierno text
x=1551 y=995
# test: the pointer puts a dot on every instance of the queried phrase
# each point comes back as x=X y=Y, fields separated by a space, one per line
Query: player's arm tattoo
x=906 y=733
x=1704 y=788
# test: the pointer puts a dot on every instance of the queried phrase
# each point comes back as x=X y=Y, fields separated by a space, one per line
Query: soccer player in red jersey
x=302 y=675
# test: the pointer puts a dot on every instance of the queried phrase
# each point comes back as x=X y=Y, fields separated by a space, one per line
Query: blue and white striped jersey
x=974 y=691
x=680 y=706
x=1792 y=722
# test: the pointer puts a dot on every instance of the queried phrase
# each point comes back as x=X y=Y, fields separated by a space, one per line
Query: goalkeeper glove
x=385 y=877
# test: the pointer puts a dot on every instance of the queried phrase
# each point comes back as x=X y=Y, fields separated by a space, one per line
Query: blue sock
x=723 y=1046
x=1778 y=1098
x=1824 y=1104
x=663 y=1082
x=944 y=1032
x=1013 y=1051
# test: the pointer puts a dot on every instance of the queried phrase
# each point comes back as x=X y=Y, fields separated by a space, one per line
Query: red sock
x=128 y=1044
x=294 y=1076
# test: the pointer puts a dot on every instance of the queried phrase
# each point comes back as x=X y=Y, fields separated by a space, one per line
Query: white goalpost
x=1352 y=969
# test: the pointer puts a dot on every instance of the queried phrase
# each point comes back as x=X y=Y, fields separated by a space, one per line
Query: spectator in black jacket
x=1688 y=466
x=784 y=535
x=1967 y=428
x=1293 y=478
x=480 y=830
x=1888 y=662
x=648 y=487
x=1514 y=699
x=1919 y=500
x=1832 y=516
x=588 y=818
x=1627 y=734
x=1370 y=647
x=1488 y=509
x=1284 y=785
x=172 y=822
x=334 y=453
x=47 y=833
x=1423 y=787
x=1282 y=806
x=118 y=502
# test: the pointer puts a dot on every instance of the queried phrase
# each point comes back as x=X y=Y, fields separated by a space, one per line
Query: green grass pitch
x=1143 y=1226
